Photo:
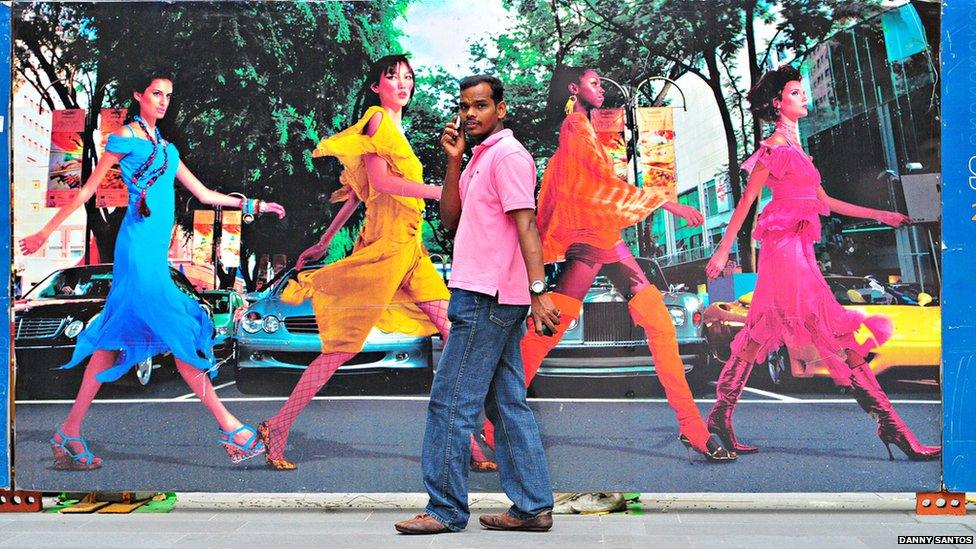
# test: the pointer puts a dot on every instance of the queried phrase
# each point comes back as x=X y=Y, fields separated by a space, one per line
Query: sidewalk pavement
x=791 y=521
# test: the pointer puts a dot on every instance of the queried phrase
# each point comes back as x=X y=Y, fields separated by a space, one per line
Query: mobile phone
x=457 y=124
x=547 y=331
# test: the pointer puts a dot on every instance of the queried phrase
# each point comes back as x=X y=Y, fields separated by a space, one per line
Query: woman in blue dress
x=145 y=313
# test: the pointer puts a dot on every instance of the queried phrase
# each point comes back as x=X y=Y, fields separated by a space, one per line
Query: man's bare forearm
x=450 y=204
x=530 y=244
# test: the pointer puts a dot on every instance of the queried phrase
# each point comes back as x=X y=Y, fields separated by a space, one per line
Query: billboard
x=828 y=356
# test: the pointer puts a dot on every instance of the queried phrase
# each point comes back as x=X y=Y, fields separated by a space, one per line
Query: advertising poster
x=655 y=145
x=111 y=191
x=230 y=239
x=609 y=125
x=64 y=167
x=817 y=367
x=203 y=237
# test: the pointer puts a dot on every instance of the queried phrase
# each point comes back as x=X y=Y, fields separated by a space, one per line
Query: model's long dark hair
x=378 y=69
x=770 y=87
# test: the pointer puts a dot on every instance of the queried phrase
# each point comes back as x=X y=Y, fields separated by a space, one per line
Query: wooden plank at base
x=88 y=504
x=124 y=508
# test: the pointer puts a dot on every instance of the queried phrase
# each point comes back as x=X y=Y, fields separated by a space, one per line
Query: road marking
x=424 y=399
x=189 y=396
x=777 y=396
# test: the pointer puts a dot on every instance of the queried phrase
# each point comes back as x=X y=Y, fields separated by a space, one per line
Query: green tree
x=257 y=85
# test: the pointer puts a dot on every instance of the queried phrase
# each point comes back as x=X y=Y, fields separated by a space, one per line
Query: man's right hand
x=452 y=140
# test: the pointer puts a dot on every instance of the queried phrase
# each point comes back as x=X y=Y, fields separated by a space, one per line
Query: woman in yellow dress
x=389 y=280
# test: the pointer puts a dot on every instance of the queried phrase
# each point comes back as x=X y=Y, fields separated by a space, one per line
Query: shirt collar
x=492 y=139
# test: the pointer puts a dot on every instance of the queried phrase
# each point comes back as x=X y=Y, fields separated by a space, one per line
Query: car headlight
x=677 y=317
x=251 y=322
x=271 y=324
x=74 y=328
x=92 y=319
x=572 y=325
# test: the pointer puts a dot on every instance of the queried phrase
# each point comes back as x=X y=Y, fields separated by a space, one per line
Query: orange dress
x=388 y=271
x=582 y=200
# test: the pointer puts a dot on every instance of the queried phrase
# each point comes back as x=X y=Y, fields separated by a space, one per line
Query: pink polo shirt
x=487 y=258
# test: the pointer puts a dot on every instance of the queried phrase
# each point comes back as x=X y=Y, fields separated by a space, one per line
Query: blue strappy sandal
x=66 y=460
x=240 y=452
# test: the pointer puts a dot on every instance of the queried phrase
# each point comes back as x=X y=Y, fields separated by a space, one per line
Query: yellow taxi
x=915 y=315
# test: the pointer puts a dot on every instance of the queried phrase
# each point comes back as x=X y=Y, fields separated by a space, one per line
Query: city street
x=163 y=439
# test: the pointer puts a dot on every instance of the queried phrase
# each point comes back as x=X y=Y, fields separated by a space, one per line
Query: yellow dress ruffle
x=388 y=271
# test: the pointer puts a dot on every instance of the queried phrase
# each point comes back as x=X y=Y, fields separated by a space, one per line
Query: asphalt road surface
x=163 y=439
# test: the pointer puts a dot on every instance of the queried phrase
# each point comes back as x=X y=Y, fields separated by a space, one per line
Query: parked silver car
x=276 y=341
x=605 y=344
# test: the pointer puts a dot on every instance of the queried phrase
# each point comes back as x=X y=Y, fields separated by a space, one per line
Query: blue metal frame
x=959 y=245
x=5 y=389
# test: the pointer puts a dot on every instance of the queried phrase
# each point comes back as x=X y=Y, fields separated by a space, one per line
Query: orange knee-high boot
x=535 y=347
x=649 y=312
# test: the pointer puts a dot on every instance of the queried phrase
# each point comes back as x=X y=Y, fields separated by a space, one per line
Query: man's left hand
x=544 y=313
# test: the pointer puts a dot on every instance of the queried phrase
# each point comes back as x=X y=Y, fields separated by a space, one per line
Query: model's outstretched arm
x=32 y=243
x=318 y=249
x=214 y=198
x=894 y=219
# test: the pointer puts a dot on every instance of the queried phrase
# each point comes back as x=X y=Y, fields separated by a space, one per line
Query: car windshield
x=78 y=283
x=290 y=274
x=219 y=302
x=867 y=291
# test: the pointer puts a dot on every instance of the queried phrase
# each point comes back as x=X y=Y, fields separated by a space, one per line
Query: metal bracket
x=17 y=501
x=940 y=503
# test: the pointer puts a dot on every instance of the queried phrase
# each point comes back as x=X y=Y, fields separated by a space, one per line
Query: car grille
x=301 y=325
x=38 y=328
x=609 y=322
x=304 y=359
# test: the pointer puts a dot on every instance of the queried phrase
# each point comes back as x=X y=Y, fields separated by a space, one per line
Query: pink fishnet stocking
x=437 y=312
x=312 y=380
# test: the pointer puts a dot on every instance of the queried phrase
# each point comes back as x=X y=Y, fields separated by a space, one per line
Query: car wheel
x=143 y=372
x=778 y=371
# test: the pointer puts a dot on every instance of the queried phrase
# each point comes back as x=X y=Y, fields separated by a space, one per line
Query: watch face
x=537 y=287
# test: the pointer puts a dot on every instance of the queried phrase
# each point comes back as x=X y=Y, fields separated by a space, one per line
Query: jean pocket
x=506 y=315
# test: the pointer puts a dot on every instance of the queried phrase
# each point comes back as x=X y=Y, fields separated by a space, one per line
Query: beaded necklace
x=789 y=129
x=153 y=175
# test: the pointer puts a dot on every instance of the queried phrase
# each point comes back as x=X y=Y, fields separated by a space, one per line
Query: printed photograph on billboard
x=243 y=268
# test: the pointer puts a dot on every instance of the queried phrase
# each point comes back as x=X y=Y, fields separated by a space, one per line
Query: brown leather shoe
x=504 y=521
x=421 y=524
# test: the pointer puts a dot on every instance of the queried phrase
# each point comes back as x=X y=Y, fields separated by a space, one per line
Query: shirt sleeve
x=118 y=144
x=514 y=180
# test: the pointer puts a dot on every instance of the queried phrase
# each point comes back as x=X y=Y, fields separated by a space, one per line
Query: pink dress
x=792 y=304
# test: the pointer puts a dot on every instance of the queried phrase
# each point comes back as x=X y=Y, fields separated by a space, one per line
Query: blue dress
x=145 y=313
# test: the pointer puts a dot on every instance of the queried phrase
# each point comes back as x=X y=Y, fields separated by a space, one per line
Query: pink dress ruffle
x=792 y=303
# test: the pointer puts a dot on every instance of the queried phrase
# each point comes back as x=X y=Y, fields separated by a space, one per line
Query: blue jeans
x=481 y=367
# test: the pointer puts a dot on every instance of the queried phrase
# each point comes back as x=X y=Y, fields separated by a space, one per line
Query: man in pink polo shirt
x=496 y=279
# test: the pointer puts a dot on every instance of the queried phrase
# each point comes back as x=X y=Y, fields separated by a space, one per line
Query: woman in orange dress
x=583 y=206
x=389 y=280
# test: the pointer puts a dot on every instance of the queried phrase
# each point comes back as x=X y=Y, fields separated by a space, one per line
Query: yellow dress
x=388 y=271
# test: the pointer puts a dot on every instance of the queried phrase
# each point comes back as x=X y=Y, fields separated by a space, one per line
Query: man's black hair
x=497 y=88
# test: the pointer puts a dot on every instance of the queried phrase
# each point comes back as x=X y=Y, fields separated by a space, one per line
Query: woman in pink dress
x=792 y=304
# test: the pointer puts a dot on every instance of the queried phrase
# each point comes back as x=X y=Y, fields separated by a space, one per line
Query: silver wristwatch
x=537 y=287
